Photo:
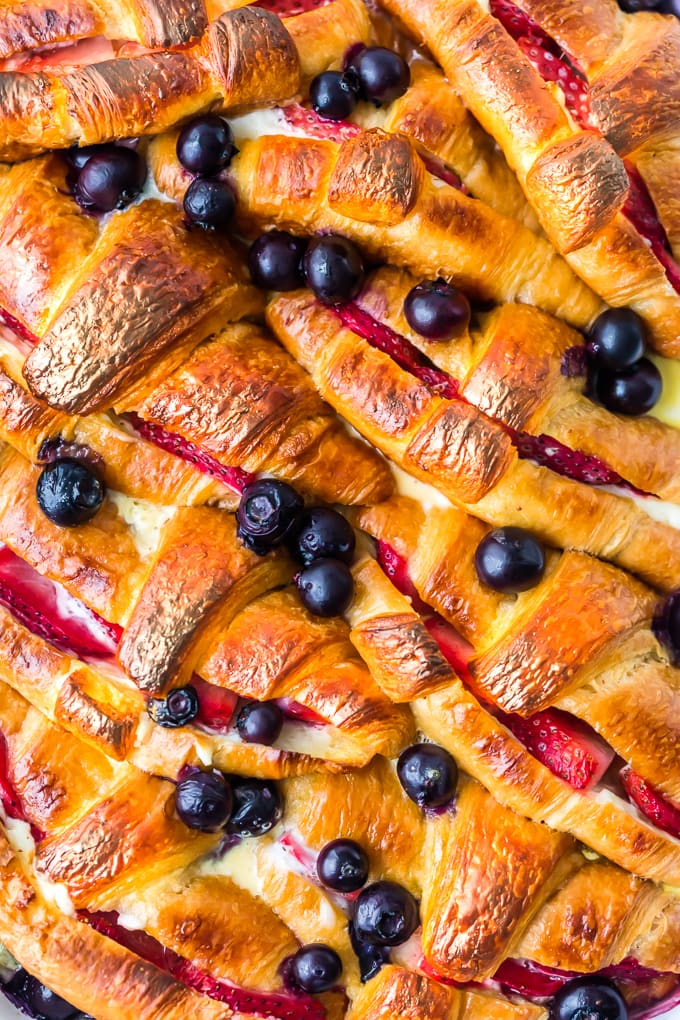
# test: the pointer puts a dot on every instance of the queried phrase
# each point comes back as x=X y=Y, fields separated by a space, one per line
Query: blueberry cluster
x=105 y=177
x=662 y=6
x=38 y=1001
x=271 y=514
x=371 y=73
x=211 y=801
x=69 y=492
x=436 y=310
x=205 y=147
x=619 y=375
x=330 y=265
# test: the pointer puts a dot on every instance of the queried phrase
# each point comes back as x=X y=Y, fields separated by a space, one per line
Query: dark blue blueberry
x=78 y=155
x=69 y=492
x=321 y=532
x=177 y=709
x=385 y=914
x=382 y=74
x=436 y=310
x=343 y=865
x=333 y=95
x=110 y=180
x=204 y=801
x=205 y=145
x=333 y=269
x=260 y=722
x=258 y=806
x=589 y=998
x=617 y=338
x=631 y=391
x=667 y=625
x=428 y=774
x=42 y=1003
x=316 y=968
x=209 y=204
x=510 y=560
x=326 y=587
x=371 y=957
x=275 y=260
x=267 y=513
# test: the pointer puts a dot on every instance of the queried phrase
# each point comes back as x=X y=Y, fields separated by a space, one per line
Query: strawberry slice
x=9 y=798
x=18 y=327
x=641 y=211
x=294 y=710
x=289 y=8
x=567 y=746
x=401 y=350
x=234 y=477
x=546 y=451
x=282 y=1005
x=46 y=609
x=664 y=813
x=396 y=568
x=455 y=649
x=216 y=705
x=310 y=124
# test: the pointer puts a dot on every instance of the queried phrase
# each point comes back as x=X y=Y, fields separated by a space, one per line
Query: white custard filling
x=146 y=520
x=19 y=837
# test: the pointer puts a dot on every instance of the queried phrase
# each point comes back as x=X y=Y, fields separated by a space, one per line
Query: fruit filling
x=46 y=609
x=18 y=327
x=567 y=746
x=9 y=798
x=640 y=210
x=289 y=8
x=544 y=450
x=664 y=813
x=284 y=1006
x=234 y=477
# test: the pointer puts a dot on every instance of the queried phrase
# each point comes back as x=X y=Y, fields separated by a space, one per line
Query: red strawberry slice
x=216 y=705
x=9 y=798
x=398 y=348
x=438 y=168
x=50 y=612
x=289 y=8
x=312 y=125
x=456 y=650
x=664 y=813
x=547 y=56
x=234 y=477
x=531 y=980
x=641 y=211
x=396 y=568
x=18 y=327
x=265 y=1004
x=294 y=710
x=581 y=467
x=564 y=744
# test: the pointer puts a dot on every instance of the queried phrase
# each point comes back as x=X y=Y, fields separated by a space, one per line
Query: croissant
x=581 y=642
x=467 y=456
x=570 y=173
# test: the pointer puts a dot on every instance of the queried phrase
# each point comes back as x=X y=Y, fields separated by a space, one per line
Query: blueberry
x=177 y=709
x=110 y=180
x=371 y=957
x=510 y=560
x=589 y=998
x=382 y=74
x=44 y=1003
x=333 y=95
x=633 y=6
x=343 y=865
x=209 y=204
x=618 y=338
x=631 y=391
x=204 y=801
x=326 y=587
x=267 y=513
x=78 y=155
x=667 y=625
x=428 y=774
x=671 y=7
x=258 y=806
x=321 y=532
x=436 y=310
x=69 y=493
x=275 y=261
x=333 y=269
x=205 y=145
x=260 y=722
x=385 y=914
x=316 y=968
